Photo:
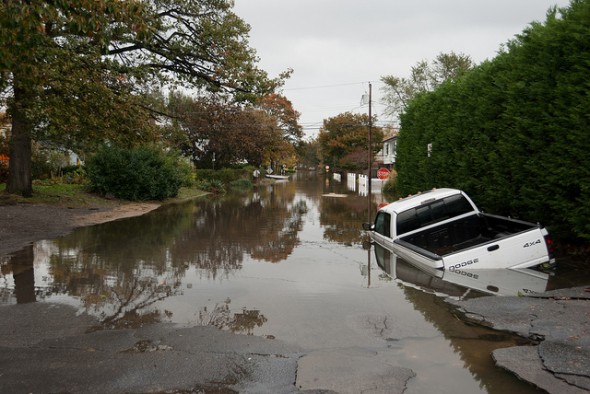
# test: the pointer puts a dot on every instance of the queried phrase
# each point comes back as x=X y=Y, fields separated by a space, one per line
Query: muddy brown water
x=286 y=261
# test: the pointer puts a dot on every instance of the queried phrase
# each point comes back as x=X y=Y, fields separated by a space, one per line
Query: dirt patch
x=21 y=224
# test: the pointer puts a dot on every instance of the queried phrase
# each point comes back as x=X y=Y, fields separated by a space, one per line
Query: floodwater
x=287 y=261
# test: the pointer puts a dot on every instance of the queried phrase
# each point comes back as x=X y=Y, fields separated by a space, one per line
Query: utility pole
x=370 y=155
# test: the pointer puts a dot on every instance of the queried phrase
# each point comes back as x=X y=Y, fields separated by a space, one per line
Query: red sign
x=383 y=173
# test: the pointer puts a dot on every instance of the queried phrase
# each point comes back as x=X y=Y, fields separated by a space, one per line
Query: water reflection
x=460 y=283
x=120 y=270
x=20 y=264
x=221 y=316
x=335 y=212
x=472 y=343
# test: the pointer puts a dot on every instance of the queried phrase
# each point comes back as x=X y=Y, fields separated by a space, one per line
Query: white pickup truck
x=444 y=229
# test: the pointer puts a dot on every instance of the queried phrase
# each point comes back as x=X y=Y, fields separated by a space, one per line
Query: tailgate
x=521 y=250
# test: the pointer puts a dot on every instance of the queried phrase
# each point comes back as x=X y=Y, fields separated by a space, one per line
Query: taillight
x=549 y=244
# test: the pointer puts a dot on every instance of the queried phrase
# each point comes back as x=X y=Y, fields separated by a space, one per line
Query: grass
x=187 y=193
x=74 y=196
x=53 y=193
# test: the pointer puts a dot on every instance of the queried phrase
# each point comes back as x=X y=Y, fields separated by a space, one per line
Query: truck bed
x=465 y=233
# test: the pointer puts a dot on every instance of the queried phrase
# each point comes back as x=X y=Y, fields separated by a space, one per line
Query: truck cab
x=422 y=210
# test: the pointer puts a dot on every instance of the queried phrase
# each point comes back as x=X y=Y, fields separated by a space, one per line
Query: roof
x=417 y=199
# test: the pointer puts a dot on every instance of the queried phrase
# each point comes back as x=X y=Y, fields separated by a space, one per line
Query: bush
x=74 y=175
x=3 y=168
x=217 y=181
x=41 y=165
x=224 y=175
x=214 y=186
x=143 y=173
x=389 y=187
x=241 y=184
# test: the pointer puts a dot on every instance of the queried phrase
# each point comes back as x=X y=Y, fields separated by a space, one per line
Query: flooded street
x=285 y=261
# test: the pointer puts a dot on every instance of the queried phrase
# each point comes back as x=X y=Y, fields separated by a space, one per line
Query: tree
x=104 y=54
x=344 y=138
x=280 y=108
x=212 y=130
x=195 y=123
x=308 y=154
x=425 y=77
x=248 y=135
x=261 y=139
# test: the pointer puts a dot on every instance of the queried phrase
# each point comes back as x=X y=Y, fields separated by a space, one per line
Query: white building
x=387 y=155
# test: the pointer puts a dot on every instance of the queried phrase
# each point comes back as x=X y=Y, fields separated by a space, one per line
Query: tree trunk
x=23 y=272
x=20 y=150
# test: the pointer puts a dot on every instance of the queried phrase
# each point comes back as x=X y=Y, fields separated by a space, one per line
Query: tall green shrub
x=143 y=173
x=514 y=132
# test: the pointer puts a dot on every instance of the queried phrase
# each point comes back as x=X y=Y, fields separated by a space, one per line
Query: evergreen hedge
x=514 y=132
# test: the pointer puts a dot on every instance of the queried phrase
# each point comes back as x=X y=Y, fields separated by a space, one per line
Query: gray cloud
x=345 y=44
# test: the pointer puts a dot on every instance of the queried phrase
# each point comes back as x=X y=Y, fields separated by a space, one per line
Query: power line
x=325 y=86
x=337 y=85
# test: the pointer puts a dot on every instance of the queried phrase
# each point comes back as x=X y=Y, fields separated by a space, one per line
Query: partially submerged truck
x=444 y=229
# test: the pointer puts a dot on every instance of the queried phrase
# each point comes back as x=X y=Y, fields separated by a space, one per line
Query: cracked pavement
x=557 y=321
x=48 y=348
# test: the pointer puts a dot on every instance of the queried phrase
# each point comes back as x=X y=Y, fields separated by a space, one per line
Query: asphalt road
x=48 y=348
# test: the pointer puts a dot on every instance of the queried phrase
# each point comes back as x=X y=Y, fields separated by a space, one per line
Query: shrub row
x=514 y=132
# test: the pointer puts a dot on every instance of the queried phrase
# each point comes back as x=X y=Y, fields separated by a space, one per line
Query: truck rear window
x=432 y=212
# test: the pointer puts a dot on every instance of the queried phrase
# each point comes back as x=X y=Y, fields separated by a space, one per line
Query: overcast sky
x=336 y=47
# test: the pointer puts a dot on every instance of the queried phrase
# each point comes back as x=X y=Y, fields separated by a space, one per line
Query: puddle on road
x=281 y=262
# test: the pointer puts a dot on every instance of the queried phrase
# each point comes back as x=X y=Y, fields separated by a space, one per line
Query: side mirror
x=368 y=226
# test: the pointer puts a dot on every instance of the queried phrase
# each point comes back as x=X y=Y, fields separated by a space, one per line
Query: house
x=386 y=156
x=4 y=125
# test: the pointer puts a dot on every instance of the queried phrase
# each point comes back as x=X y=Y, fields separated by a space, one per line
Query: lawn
x=73 y=195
